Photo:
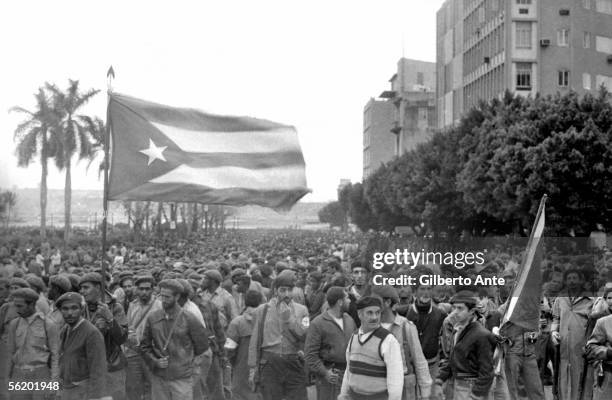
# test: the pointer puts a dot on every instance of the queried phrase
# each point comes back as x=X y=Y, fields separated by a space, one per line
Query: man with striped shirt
x=374 y=362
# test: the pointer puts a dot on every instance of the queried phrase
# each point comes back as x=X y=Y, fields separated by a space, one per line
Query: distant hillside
x=87 y=208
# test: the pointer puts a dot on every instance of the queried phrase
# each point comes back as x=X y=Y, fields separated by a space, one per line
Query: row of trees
x=487 y=174
x=55 y=130
x=146 y=216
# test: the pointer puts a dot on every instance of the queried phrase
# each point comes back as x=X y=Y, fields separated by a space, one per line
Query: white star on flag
x=154 y=152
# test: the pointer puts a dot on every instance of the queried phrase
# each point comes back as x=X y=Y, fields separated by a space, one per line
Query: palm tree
x=71 y=133
x=31 y=135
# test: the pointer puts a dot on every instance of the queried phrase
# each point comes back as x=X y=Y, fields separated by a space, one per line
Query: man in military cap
x=373 y=357
x=470 y=363
x=58 y=285
x=33 y=342
x=36 y=283
x=277 y=350
x=82 y=362
x=171 y=339
x=212 y=290
x=108 y=316
x=8 y=312
x=139 y=309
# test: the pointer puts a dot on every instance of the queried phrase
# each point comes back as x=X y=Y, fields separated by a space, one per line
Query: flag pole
x=109 y=75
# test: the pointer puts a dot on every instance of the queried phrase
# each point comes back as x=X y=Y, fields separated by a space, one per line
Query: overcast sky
x=312 y=64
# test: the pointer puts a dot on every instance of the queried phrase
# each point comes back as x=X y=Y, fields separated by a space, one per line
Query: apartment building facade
x=526 y=46
x=402 y=117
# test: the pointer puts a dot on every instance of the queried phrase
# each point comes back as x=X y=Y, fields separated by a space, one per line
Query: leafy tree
x=72 y=134
x=32 y=137
x=333 y=214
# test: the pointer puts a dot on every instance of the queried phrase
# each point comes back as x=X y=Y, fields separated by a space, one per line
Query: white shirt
x=191 y=308
x=340 y=322
x=392 y=356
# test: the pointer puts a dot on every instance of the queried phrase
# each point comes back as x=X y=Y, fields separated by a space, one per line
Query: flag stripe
x=282 y=178
x=244 y=160
x=192 y=119
x=179 y=192
x=270 y=141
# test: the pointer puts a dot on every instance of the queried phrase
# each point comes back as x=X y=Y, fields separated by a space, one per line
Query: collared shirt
x=285 y=329
x=225 y=303
x=391 y=351
x=404 y=330
x=33 y=342
x=135 y=314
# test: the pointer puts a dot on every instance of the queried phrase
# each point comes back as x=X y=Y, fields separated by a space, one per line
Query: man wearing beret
x=170 y=341
x=416 y=369
x=58 y=285
x=139 y=310
x=212 y=290
x=360 y=287
x=33 y=343
x=36 y=283
x=8 y=312
x=211 y=378
x=82 y=363
x=277 y=353
x=470 y=363
x=315 y=297
x=373 y=357
x=109 y=318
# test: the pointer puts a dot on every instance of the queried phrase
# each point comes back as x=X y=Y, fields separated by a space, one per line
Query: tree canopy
x=486 y=175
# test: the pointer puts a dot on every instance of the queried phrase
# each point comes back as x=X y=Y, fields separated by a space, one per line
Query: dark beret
x=285 y=278
x=214 y=275
x=386 y=292
x=74 y=279
x=171 y=284
x=61 y=281
x=368 y=301
x=93 y=277
x=465 y=296
x=19 y=282
x=35 y=282
x=238 y=272
x=28 y=294
x=143 y=279
x=71 y=297
x=187 y=288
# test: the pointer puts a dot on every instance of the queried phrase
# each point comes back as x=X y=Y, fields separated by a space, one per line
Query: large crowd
x=291 y=315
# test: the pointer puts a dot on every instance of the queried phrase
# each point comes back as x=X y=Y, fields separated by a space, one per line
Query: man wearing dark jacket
x=106 y=314
x=82 y=362
x=171 y=339
x=428 y=319
x=470 y=363
x=326 y=341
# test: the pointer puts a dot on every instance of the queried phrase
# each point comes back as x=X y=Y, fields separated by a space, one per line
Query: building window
x=603 y=6
x=563 y=78
x=523 y=1
x=586 y=40
x=563 y=37
x=523 y=76
x=420 y=78
x=586 y=81
x=523 y=35
x=523 y=11
x=603 y=44
x=586 y=4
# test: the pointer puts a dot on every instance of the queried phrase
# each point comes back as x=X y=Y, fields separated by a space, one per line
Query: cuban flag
x=162 y=153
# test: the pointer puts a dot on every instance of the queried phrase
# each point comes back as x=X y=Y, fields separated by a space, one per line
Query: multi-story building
x=400 y=118
x=526 y=46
